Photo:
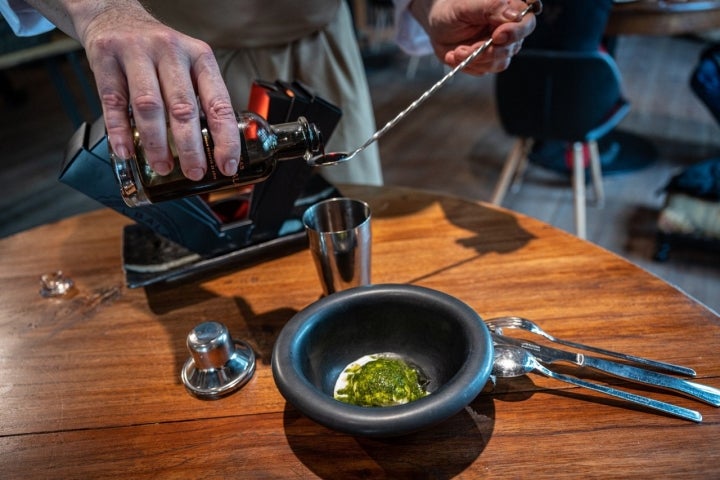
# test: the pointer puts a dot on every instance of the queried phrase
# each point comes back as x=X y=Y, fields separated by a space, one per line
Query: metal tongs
x=499 y=323
x=513 y=361
x=549 y=355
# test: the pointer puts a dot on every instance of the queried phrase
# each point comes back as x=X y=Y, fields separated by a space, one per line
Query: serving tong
x=499 y=323
x=548 y=355
x=511 y=361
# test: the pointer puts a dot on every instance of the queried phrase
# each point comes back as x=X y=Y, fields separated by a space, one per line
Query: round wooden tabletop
x=91 y=382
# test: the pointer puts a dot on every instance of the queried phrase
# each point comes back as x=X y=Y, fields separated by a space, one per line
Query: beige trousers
x=328 y=62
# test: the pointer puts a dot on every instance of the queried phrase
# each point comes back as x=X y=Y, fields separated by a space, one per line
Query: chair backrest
x=571 y=25
x=570 y=96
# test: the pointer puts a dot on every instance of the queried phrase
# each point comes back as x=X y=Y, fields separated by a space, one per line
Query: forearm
x=420 y=10
x=75 y=17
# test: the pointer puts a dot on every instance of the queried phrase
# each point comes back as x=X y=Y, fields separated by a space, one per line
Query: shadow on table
x=264 y=327
x=492 y=230
x=441 y=452
x=258 y=329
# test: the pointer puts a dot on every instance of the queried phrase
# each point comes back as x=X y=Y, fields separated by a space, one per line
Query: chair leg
x=412 y=67
x=579 y=189
x=596 y=172
x=522 y=166
x=509 y=169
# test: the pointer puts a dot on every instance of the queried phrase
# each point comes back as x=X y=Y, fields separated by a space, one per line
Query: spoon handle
x=669 y=367
x=668 y=408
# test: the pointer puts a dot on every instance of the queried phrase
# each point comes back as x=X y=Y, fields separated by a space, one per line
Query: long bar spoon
x=510 y=361
x=333 y=158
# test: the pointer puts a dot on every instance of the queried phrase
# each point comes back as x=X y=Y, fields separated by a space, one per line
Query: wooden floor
x=452 y=144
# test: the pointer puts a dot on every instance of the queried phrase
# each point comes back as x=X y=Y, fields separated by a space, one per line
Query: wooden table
x=664 y=17
x=90 y=384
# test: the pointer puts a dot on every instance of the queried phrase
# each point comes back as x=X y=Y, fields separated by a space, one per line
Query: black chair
x=574 y=97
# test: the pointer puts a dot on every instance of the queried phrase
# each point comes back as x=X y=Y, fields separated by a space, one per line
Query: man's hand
x=458 y=27
x=160 y=74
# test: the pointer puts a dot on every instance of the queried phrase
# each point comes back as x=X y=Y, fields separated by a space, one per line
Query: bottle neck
x=299 y=139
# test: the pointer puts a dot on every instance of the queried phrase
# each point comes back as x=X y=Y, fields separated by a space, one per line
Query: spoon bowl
x=511 y=362
x=329 y=158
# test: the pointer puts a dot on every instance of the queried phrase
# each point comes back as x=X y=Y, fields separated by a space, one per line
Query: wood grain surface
x=90 y=384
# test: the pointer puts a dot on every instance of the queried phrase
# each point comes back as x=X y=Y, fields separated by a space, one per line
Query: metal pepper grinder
x=218 y=364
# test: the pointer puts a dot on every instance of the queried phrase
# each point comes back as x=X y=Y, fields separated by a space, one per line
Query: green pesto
x=380 y=383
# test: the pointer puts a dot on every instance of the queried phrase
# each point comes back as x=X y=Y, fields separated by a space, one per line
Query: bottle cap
x=218 y=364
x=128 y=177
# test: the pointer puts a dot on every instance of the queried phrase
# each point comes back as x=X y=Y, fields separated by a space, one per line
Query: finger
x=493 y=60
x=149 y=113
x=219 y=112
x=183 y=115
x=113 y=93
x=497 y=57
x=514 y=31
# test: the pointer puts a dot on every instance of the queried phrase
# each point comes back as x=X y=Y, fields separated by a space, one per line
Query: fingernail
x=511 y=14
x=231 y=167
x=121 y=152
x=162 y=168
x=195 y=174
x=500 y=38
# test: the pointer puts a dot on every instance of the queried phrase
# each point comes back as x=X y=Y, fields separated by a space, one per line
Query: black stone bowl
x=440 y=334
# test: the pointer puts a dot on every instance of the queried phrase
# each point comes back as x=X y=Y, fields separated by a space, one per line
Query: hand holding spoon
x=332 y=158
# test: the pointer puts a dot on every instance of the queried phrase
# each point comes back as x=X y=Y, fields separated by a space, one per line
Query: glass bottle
x=262 y=146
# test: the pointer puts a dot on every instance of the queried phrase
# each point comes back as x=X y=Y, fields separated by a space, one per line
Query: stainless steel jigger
x=219 y=365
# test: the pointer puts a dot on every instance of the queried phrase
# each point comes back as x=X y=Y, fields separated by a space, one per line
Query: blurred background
x=453 y=144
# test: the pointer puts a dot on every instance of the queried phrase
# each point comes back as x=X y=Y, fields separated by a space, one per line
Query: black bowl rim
x=387 y=421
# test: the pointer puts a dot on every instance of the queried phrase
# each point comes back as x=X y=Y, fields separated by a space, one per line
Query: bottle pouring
x=262 y=147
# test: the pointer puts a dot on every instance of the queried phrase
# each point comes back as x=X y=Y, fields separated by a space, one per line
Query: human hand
x=160 y=73
x=457 y=28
